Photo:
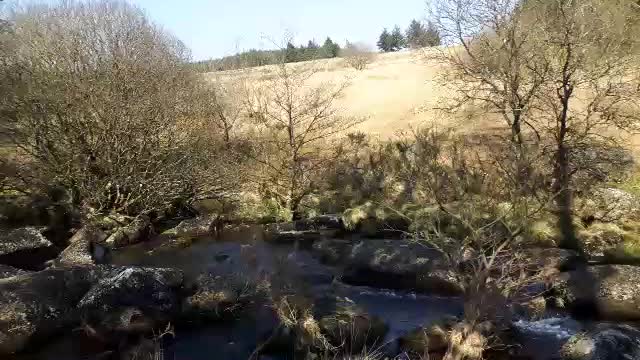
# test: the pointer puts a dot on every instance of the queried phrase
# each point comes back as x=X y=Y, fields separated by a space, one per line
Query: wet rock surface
x=25 y=248
x=84 y=248
x=607 y=292
x=198 y=226
x=604 y=342
x=9 y=271
x=134 y=232
x=391 y=264
x=38 y=305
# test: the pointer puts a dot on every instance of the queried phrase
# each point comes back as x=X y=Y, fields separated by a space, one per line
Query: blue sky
x=213 y=28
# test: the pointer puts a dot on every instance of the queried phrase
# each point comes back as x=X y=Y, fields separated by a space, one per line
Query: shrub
x=357 y=56
x=110 y=124
x=542 y=233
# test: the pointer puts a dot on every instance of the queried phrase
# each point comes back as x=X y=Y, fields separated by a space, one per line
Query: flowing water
x=244 y=252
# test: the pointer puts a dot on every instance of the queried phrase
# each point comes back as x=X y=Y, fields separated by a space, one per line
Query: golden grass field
x=397 y=91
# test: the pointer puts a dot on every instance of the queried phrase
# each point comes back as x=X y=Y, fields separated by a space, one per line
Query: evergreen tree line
x=254 y=58
x=417 y=35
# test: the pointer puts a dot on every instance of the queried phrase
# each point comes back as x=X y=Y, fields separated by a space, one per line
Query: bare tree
x=476 y=221
x=357 y=56
x=559 y=73
x=585 y=46
x=297 y=120
x=222 y=106
x=99 y=103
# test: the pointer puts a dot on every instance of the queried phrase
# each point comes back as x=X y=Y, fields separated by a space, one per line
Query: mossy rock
x=353 y=217
x=542 y=233
x=599 y=238
x=627 y=252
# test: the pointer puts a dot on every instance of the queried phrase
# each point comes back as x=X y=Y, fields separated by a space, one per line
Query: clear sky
x=213 y=28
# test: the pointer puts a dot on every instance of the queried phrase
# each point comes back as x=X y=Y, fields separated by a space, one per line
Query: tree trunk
x=564 y=200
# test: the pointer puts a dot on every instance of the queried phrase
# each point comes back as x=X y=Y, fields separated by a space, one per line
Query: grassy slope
x=397 y=91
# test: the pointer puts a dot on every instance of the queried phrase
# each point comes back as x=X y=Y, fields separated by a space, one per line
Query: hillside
x=396 y=91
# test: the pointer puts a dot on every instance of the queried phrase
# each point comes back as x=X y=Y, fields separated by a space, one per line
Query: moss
x=424 y=219
x=354 y=216
x=543 y=233
x=255 y=209
x=631 y=184
x=627 y=252
x=631 y=226
x=599 y=238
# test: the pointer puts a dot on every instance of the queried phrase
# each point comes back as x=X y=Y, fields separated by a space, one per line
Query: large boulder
x=133 y=233
x=26 y=248
x=604 y=342
x=609 y=204
x=198 y=226
x=84 y=248
x=302 y=239
x=153 y=291
x=392 y=264
x=216 y=297
x=609 y=292
x=36 y=306
x=7 y=271
x=321 y=223
x=550 y=260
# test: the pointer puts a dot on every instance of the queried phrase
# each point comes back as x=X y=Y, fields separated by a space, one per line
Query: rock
x=391 y=264
x=127 y=320
x=8 y=271
x=320 y=222
x=328 y=221
x=610 y=204
x=604 y=342
x=38 y=305
x=84 y=248
x=353 y=329
x=600 y=238
x=130 y=234
x=612 y=291
x=216 y=297
x=273 y=228
x=25 y=248
x=303 y=239
x=551 y=260
x=392 y=227
x=199 y=226
x=332 y=251
x=109 y=299
x=154 y=291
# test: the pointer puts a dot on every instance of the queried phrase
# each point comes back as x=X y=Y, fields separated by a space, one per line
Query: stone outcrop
x=38 y=305
x=85 y=248
x=607 y=292
x=25 y=248
x=133 y=233
x=604 y=342
x=392 y=264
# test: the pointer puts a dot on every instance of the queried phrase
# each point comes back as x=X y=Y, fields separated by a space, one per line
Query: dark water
x=243 y=252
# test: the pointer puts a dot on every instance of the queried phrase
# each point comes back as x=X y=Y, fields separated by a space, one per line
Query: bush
x=357 y=56
x=542 y=233
x=109 y=123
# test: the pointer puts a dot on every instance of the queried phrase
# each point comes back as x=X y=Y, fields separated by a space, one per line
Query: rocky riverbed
x=194 y=296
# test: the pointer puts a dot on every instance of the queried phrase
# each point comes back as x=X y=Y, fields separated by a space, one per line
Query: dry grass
x=395 y=92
